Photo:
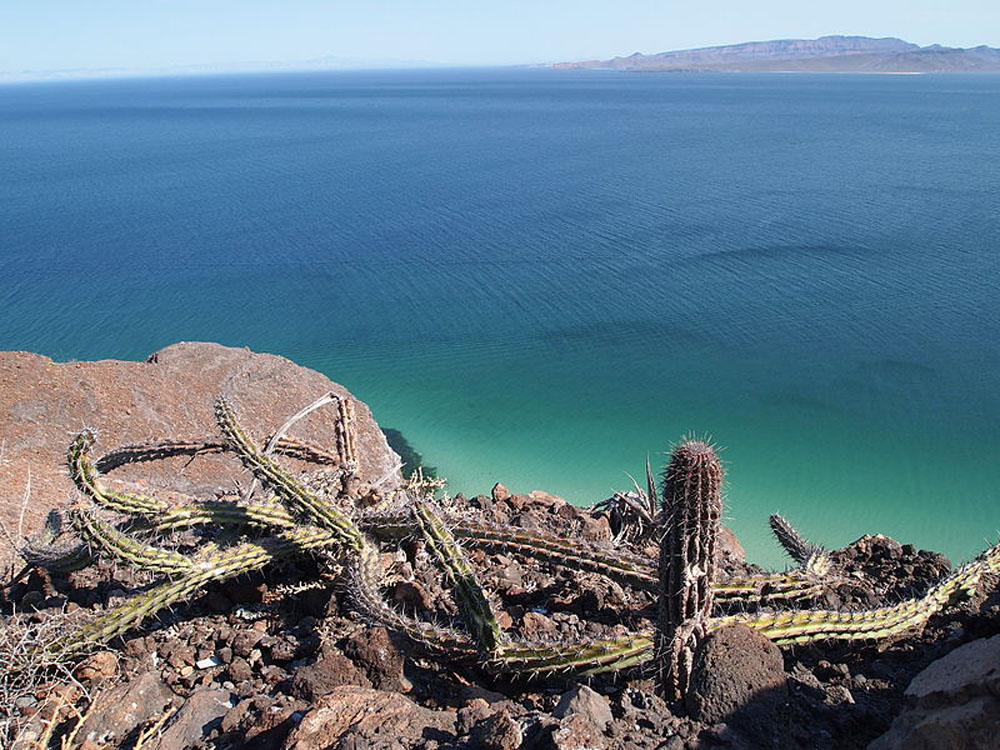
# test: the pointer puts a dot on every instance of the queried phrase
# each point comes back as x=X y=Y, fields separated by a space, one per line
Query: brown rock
x=729 y=548
x=536 y=625
x=355 y=716
x=498 y=732
x=738 y=679
x=373 y=650
x=97 y=666
x=576 y=732
x=331 y=670
x=595 y=529
x=412 y=595
x=499 y=492
x=43 y=403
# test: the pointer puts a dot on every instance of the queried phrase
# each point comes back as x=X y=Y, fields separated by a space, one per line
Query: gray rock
x=201 y=713
x=969 y=670
x=587 y=703
x=954 y=703
x=126 y=707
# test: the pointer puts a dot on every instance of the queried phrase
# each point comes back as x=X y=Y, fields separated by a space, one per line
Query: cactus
x=335 y=518
x=811 y=557
x=690 y=518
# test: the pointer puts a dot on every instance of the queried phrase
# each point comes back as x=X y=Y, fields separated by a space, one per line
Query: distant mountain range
x=828 y=54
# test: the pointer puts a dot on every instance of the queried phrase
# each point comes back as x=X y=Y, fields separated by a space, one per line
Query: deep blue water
x=540 y=277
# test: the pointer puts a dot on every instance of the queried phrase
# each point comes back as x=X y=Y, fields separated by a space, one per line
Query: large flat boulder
x=44 y=403
x=954 y=703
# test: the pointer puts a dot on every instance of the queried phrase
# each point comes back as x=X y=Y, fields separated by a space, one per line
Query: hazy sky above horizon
x=141 y=34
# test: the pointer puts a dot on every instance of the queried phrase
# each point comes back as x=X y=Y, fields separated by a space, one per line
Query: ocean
x=542 y=277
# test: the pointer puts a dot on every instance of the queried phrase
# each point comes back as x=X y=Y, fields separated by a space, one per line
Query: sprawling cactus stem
x=692 y=509
x=299 y=517
x=161 y=449
x=363 y=587
x=84 y=475
x=258 y=514
x=206 y=568
x=616 y=564
x=583 y=656
x=283 y=484
x=812 y=557
x=477 y=612
x=804 y=626
x=105 y=539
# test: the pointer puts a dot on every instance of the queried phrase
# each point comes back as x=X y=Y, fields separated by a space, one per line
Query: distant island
x=828 y=54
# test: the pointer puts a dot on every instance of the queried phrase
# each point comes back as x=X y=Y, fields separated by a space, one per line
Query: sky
x=150 y=34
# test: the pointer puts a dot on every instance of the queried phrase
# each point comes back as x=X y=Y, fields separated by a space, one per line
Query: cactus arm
x=477 y=612
x=363 y=589
x=162 y=449
x=347 y=449
x=626 y=569
x=260 y=515
x=63 y=559
x=85 y=477
x=283 y=484
x=214 y=566
x=586 y=656
x=814 y=625
x=105 y=539
x=614 y=564
x=797 y=547
x=759 y=589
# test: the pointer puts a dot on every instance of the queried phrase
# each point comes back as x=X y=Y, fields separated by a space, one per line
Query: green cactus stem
x=472 y=600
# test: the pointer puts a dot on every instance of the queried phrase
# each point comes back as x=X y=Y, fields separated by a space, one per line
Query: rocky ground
x=279 y=660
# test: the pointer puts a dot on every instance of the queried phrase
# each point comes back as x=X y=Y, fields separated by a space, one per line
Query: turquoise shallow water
x=541 y=277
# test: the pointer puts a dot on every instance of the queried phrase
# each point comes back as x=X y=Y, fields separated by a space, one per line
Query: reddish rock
x=97 y=666
x=499 y=492
x=361 y=717
x=330 y=671
x=43 y=403
x=536 y=625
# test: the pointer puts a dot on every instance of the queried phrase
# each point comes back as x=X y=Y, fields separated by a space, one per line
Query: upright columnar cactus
x=692 y=508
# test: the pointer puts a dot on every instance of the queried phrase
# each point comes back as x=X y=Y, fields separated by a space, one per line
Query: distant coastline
x=828 y=54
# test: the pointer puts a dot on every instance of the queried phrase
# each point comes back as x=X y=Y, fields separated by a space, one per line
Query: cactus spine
x=691 y=515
